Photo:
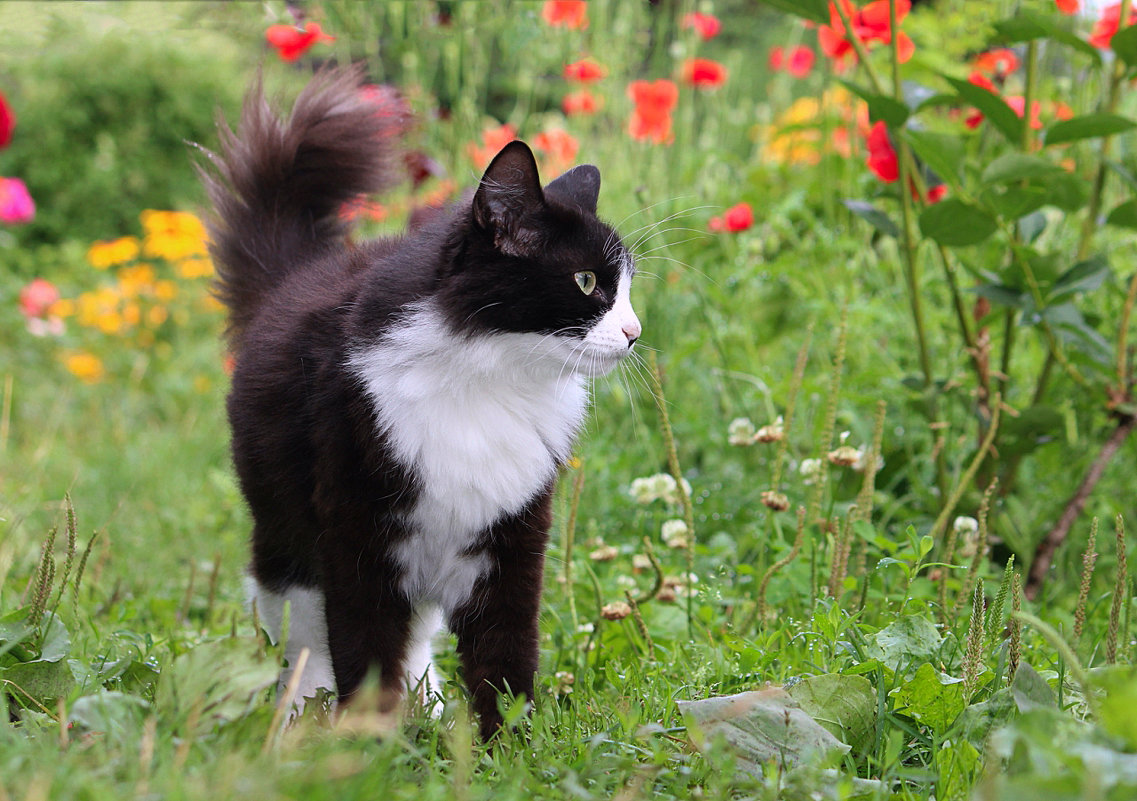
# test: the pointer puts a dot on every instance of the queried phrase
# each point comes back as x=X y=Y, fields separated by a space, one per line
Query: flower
x=870 y=24
x=660 y=487
x=674 y=533
x=584 y=71
x=7 y=121
x=493 y=140
x=965 y=525
x=844 y=456
x=85 y=366
x=172 y=235
x=38 y=300
x=559 y=146
x=1067 y=6
x=572 y=14
x=108 y=253
x=776 y=59
x=605 y=553
x=581 y=101
x=291 y=42
x=810 y=470
x=706 y=25
x=771 y=432
x=1000 y=63
x=800 y=61
x=736 y=218
x=775 y=500
x=16 y=204
x=703 y=73
x=617 y=610
x=1108 y=23
x=882 y=157
x=1017 y=104
x=740 y=432
x=651 y=118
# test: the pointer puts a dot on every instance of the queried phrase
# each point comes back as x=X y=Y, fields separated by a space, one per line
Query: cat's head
x=539 y=261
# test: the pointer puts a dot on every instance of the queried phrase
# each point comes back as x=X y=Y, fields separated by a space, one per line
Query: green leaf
x=1115 y=711
x=908 y=641
x=845 y=705
x=942 y=153
x=1124 y=215
x=41 y=680
x=954 y=223
x=1018 y=167
x=931 y=698
x=874 y=216
x=1015 y=202
x=1002 y=295
x=1085 y=276
x=109 y=712
x=1026 y=26
x=881 y=107
x=815 y=10
x=1030 y=690
x=1087 y=126
x=994 y=108
x=1124 y=45
x=1066 y=191
x=763 y=726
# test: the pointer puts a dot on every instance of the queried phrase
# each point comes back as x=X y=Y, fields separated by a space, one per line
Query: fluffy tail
x=278 y=187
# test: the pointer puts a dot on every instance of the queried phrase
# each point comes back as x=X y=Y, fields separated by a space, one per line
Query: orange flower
x=651 y=118
x=706 y=25
x=493 y=140
x=291 y=42
x=1106 y=26
x=571 y=14
x=1067 y=6
x=1000 y=63
x=559 y=147
x=703 y=73
x=584 y=71
x=580 y=102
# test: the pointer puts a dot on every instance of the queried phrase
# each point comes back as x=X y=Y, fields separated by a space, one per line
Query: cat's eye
x=586 y=280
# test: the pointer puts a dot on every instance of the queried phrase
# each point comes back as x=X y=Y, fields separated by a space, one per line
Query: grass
x=153 y=679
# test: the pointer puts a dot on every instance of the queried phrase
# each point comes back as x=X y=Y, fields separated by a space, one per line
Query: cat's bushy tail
x=278 y=187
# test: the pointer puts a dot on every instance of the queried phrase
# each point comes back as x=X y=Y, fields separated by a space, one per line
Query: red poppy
x=703 y=73
x=882 y=157
x=1000 y=63
x=870 y=24
x=736 y=218
x=7 y=121
x=291 y=42
x=1017 y=104
x=651 y=118
x=584 y=71
x=571 y=14
x=800 y=61
x=560 y=148
x=935 y=194
x=581 y=101
x=777 y=58
x=706 y=25
x=1067 y=6
x=493 y=140
x=1107 y=25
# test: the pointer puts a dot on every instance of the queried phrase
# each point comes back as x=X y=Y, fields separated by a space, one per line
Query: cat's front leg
x=497 y=628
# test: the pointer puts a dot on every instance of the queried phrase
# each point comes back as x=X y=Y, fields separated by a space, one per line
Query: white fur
x=418 y=666
x=307 y=628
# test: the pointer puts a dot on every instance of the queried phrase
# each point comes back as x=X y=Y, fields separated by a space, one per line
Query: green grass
x=166 y=686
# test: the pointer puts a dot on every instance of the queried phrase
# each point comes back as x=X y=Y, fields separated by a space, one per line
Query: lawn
x=852 y=525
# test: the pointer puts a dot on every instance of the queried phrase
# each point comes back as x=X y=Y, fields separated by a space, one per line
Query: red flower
x=291 y=42
x=706 y=25
x=703 y=73
x=1000 y=63
x=7 y=121
x=37 y=298
x=571 y=14
x=882 y=157
x=800 y=61
x=1108 y=23
x=559 y=147
x=1017 y=103
x=581 y=101
x=736 y=218
x=777 y=58
x=584 y=71
x=651 y=118
x=936 y=194
x=493 y=140
x=870 y=24
x=1067 y=6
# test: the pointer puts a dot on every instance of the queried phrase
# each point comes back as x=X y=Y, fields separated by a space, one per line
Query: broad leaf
x=1085 y=276
x=1115 y=710
x=1015 y=202
x=110 y=712
x=763 y=726
x=1018 y=167
x=815 y=10
x=881 y=107
x=1001 y=295
x=994 y=108
x=954 y=223
x=1087 y=126
x=1030 y=690
x=1026 y=26
x=874 y=216
x=909 y=641
x=1124 y=45
x=1124 y=215
x=931 y=698
x=845 y=705
x=943 y=154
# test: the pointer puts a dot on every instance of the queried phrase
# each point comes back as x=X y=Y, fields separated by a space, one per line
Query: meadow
x=853 y=526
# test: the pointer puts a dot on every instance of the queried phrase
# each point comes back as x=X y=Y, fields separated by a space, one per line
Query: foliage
x=780 y=568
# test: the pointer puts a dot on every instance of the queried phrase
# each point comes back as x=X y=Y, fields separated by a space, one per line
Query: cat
x=400 y=408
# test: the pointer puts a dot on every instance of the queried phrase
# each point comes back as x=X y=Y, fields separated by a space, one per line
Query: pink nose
x=631 y=330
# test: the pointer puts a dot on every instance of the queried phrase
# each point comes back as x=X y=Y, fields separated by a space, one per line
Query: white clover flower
x=660 y=487
x=965 y=525
x=640 y=562
x=771 y=432
x=673 y=528
x=810 y=469
x=740 y=431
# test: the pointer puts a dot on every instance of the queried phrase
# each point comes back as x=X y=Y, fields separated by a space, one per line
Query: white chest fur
x=482 y=422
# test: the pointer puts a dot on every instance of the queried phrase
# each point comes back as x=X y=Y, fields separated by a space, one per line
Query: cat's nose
x=631 y=330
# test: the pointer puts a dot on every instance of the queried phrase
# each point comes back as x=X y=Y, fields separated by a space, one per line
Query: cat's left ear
x=580 y=187
x=509 y=192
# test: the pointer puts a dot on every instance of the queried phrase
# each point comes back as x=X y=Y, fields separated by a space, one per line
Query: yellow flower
x=64 y=307
x=87 y=367
x=136 y=280
x=107 y=253
x=172 y=235
x=165 y=290
x=196 y=267
x=156 y=316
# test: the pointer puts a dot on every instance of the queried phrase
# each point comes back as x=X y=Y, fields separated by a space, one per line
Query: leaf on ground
x=978 y=721
x=107 y=711
x=905 y=644
x=41 y=681
x=1115 y=708
x=763 y=726
x=931 y=698
x=845 y=705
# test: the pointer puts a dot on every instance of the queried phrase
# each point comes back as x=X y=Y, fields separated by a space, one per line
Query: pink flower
x=736 y=218
x=776 y=60
x=291 y=42
x=706 y=25
x=800 y=61
x=36 y=300
x=16 y=205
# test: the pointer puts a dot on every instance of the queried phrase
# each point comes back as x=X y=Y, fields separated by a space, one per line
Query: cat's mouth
x=593 y=361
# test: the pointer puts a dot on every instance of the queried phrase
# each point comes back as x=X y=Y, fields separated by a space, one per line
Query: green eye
x=586 y=281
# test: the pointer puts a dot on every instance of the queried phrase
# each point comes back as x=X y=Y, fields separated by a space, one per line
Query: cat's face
x=539 y=262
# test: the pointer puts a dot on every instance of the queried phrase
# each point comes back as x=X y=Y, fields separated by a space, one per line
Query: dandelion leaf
x=931 y=698
x=905 y=644
x=845 y=705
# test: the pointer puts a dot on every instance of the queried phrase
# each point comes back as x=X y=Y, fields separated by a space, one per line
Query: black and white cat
x=400 y=408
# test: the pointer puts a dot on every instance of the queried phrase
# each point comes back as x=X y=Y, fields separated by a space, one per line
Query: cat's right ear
x=509 y=191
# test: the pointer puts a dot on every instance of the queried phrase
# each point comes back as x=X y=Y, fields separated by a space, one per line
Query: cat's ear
x=509 y=191
x=580 y=187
